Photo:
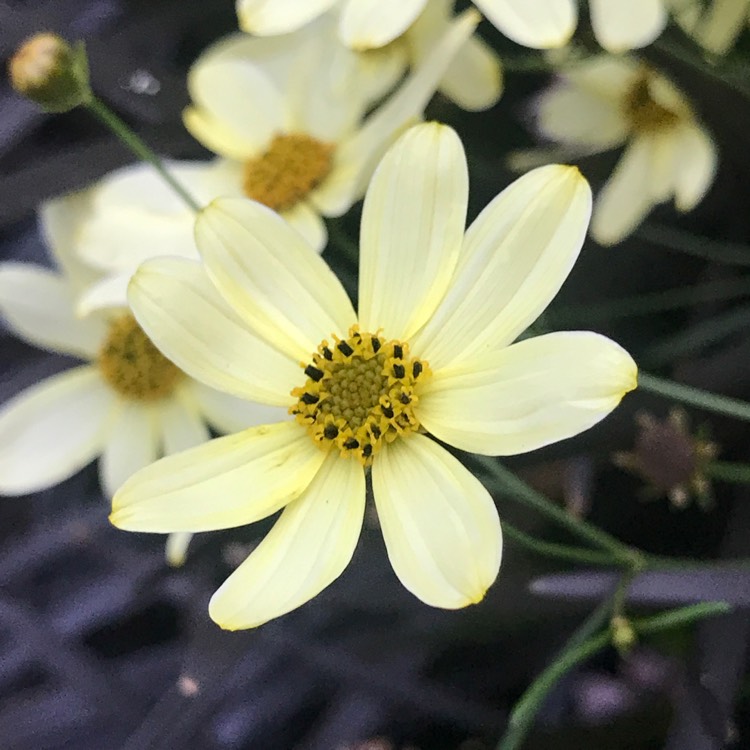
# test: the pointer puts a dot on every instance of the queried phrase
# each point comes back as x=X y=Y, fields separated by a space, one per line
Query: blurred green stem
x=518 y=490
x=138 y=147
x=672 y=238
x=558 y=551
x=686 y=394
x=583 y=644
x=729 y=472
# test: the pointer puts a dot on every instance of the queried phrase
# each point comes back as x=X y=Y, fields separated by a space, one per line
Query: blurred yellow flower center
x=643 y=112
x=285 y=174
x=360 y=393
x=133 y=366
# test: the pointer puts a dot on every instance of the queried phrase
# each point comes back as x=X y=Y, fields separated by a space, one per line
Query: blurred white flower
x=295 y=131
x=127 y=404
x=368 y=24
x=473 y=79
x=610 y=101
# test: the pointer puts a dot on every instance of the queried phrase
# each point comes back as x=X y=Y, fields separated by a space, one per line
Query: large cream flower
x=128 y=403
x=295 y=132
x=431 y=350
x=368 y=24
x=606 y=102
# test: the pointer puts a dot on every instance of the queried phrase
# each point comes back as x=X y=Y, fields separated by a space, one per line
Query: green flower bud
x=51 y=72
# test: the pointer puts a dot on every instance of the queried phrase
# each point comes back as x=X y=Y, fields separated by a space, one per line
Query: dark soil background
x=103 y=646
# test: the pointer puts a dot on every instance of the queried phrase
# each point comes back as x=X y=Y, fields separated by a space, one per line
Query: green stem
x=522 y=493
x=729 y=472
x=138 y=147
x=652 y=302
x=696 y=61
x=558 y=551
x=726 y=405
x=582 y=646
x=730 y=253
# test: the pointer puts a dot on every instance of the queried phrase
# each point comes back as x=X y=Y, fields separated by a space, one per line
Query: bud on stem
x=50 y=72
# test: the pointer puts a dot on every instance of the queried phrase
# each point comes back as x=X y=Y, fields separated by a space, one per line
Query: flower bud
x=51 y=72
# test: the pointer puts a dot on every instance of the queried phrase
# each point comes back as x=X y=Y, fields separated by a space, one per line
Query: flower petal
x=239 y=96
x=278 y=16
x=39 y=305
x=474 y=80
x=182 y=426
x=106 y=293
x=541 y=24
x=368 y=24
x=695 y=168
x=358 y=156
x=627 y=24
x=176 y=547
x=271 y=277
x=577 y=115
x=227 y=414
x=306 y=550
x=412 y=228
x=516 y=256
x=439 y=523
x=132 y=443
x=308 y=223
x=227 y=482
x=528 y=395
x=178 y=307
x=51 y=430
x=626 y=197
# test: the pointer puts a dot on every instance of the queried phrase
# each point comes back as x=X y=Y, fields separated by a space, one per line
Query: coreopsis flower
x=127 y=403
x=610 y=101
x=369 y=24
x=295 y=135
x=430 y=354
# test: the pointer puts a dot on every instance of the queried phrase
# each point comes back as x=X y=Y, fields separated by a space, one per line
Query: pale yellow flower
x=610 y=101
x=369 y=24
x=622 y=25
x=294 y=128
x=127 y=403
x=431 y=351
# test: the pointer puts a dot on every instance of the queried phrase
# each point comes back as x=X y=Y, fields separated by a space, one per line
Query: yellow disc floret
x=360 y=392
x=292 y=166
x=644 y=113
x=133 y=366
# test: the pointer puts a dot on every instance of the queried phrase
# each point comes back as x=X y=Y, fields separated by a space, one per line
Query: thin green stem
x=686 y=394
x=138 y=147
x=729 y=472
x=651 y=302
x=558 y=551
x=522 y=493
x=671 y=238
x=696 y=61
x=584 y=644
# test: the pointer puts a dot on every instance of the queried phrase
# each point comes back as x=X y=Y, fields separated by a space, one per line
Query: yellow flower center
x=360 y=393
x=133 y=366
x=288 y=171
x=643 y=112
